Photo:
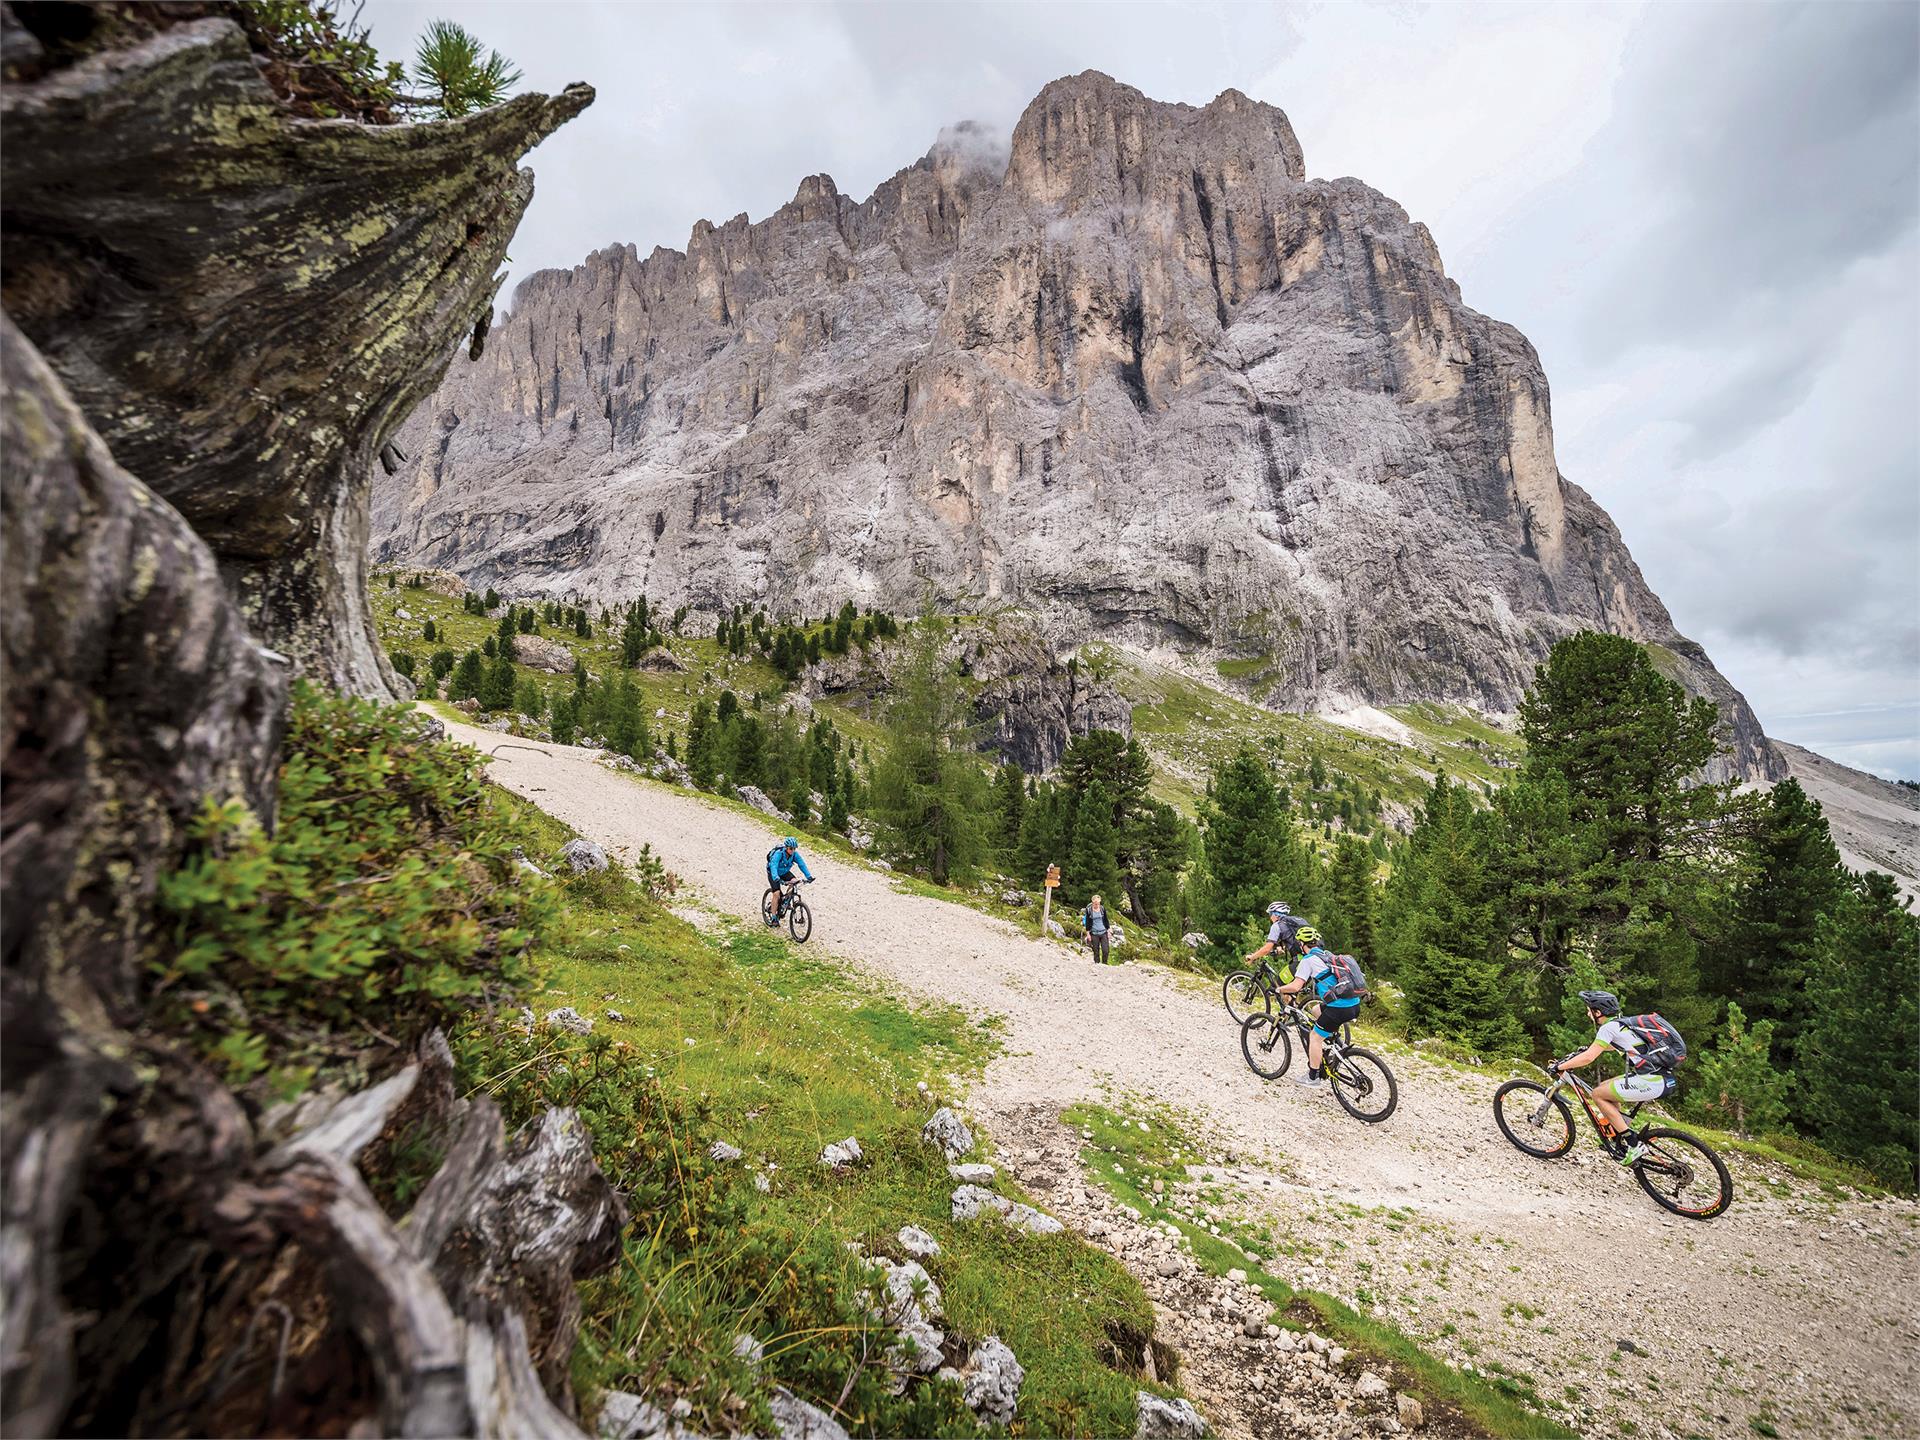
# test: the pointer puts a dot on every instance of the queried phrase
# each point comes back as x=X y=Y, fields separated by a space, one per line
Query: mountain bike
x=799 y=919
x=1360 y=1079
x=1243 y=988
x=1677 y=1170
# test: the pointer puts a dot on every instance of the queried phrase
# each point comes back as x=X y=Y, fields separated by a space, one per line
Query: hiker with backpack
x=1338 y=985
x=1652 y=1049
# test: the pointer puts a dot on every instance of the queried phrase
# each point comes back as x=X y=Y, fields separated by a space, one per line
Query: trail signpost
x=1046 y=905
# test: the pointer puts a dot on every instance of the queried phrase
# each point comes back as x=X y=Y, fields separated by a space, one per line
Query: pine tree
x=503 y=637
x=1860 y=1051
x=1009 y=809
x=1347 y=918
x=527 y=699
x=703 y=749
x=633 y=636
x=1091 y=869
x=1250 y=855
x=468 y=678
x=626 y=722
x=928 y=795
x=441 y=664
x=1795 y=878
x=428 y=633
x=561 y=719
x=580 y=625
x=1040 y=836
x=493 y=598
x=1735 y=1080
x=497 y=692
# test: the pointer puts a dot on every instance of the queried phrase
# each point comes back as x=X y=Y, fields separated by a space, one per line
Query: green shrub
x=384 y=903
x=402 y=661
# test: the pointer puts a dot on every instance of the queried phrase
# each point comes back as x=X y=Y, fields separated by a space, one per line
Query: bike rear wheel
x=800 y=920
x=767 y=902
x=1544 y=1130
x=1265 y=1044
x=1363 y=1085
x=1244 y=995
x=1683 y=1175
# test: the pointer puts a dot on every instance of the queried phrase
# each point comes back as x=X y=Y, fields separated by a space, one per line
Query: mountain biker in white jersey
x=1315 y=970
x=1282 y=934
x=1636 y=1087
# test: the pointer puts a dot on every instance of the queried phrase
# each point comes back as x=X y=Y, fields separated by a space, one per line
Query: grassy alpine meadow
x=728 y=1033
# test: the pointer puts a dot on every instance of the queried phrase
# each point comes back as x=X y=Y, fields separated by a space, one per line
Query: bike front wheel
x=800 y=920
x=1683 y=1175
x=1363 y=1085
x=1265 y=1044
x=1535 y=1123
x=1244 y=994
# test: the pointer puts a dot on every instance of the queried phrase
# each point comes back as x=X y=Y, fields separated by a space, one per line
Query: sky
x=1706 y=217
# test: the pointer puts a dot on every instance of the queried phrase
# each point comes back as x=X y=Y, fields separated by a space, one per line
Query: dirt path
x=1792 y=1312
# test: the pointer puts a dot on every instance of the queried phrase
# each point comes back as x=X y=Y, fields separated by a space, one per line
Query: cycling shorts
x=1639 y=1089
x=1332 y=1017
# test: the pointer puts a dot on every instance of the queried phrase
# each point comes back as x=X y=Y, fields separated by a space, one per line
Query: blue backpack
x=1349 y=981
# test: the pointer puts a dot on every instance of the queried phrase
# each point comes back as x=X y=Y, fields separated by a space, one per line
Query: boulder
x=1158 y=1419
x=1370 y=1387
x=949 y=1132
x=761 y=801
x=990 y=1381
x=468 y=706
x=541 y=653
x=582 y=856
x=974 y=1174
x=797 y=1419
x=625 y=1416
x=970 y=1201
x=918 y=1243
x=1194 y=939
x=721 y=1153
x=569 y=1019
x=660 y=661
x=1013 y=897
x=841 y=1153
x=1412 y=1414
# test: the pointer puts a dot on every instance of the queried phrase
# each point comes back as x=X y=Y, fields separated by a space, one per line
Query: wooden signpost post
x=1046 y=906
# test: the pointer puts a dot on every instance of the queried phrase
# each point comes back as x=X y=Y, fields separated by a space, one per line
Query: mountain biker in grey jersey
x=1603 y=1009
x=1282 y=934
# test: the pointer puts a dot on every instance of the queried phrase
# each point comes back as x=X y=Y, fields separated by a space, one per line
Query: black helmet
x=1603 y=1002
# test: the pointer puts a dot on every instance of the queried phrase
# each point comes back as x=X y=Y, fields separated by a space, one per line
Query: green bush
x=384 y=903
x=402 y=661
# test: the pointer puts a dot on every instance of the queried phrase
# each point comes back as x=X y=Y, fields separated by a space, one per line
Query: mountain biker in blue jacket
x=1316 y=971
x=781 y=861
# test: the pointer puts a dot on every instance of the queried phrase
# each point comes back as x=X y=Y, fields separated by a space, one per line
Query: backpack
x=1349 y=981
x=1662 y=1048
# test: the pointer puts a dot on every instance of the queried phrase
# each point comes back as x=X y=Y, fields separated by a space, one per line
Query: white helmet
x=1278 y=907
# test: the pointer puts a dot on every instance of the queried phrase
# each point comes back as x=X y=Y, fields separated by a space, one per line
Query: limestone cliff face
x=1145 y=380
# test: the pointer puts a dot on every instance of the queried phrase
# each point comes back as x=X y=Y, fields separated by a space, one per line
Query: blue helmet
x=791 y=843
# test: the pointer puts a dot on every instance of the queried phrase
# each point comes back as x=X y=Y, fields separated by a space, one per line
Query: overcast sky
x=1704 y=217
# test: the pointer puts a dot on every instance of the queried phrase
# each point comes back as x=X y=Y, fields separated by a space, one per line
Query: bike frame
x=1566 y=1080
x=1306 y=1022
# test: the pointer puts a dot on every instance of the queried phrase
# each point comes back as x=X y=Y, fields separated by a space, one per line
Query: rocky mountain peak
x=1135 y=375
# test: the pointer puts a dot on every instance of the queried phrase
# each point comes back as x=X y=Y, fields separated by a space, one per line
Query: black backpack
x=1349 y=981
x=1661 y=1047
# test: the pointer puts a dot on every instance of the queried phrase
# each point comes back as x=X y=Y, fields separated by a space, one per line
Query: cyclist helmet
x=1307 y=936
x=1279 y=907
x=1601 y=1002
x=791 y=843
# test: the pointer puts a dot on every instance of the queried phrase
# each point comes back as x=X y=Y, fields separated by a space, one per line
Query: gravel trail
x=1795 y=1310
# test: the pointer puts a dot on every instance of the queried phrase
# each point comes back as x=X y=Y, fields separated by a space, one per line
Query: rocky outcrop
x=1148 y=383
x=222 y=312
x=247 y=304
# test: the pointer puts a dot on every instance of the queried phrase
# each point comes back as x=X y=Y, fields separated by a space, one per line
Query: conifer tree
x=928 y=794
x=1009 y=810
x=1091 y=869
x=497 y=693
x=1250 y=854
x=468 y=678
x=561 y=719
x=1735 y=1080
x=1860 y=1050
x=1347 y=916
x=703 y=749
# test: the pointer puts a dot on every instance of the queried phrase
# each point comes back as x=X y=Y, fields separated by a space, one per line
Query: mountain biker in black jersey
x=1639 y=1085
x=781 y=862
x=1282 y=934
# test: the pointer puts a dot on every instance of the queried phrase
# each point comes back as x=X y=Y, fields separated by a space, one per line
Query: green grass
x=777 y=1051
x=1501 y=1405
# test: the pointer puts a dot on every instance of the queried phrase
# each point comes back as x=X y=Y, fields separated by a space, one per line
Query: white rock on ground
x=1413 y=1415
x=1166 y=1419
x=1370 y=1386
x=918 y=1243
x=797 y=1419
x=990 y=1381
x=949 y=1132
x=761 y=801
x=628 y=1417
x=970 y=1200
x=747 y=1348
x=975 y=1174
x=910 y=1302
x=1194 y=939
x=583 y=855
x=841 y=1153
x=723 y=1153
x=568 y=1018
